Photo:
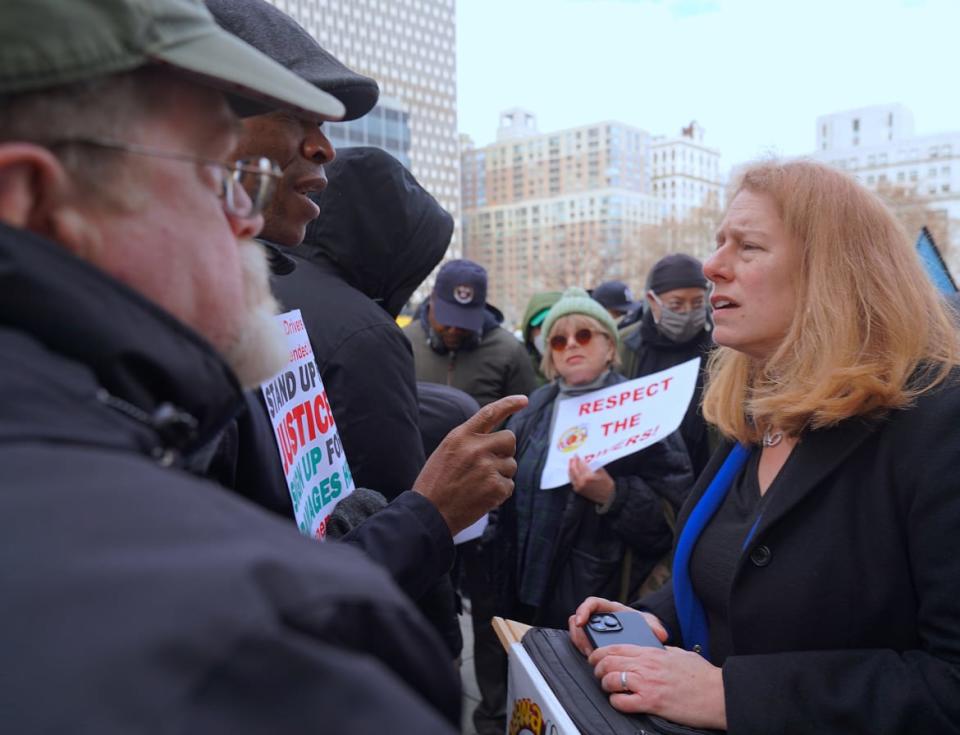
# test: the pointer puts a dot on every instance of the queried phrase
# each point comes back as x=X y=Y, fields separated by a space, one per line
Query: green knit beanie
x=577 y=301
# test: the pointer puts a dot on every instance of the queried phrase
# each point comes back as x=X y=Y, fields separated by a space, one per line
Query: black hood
x=379 y=226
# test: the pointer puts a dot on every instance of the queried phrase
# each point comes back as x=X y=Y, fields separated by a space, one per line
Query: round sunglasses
x=558 y=342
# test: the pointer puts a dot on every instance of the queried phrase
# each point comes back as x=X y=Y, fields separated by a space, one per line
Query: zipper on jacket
x=450 y=365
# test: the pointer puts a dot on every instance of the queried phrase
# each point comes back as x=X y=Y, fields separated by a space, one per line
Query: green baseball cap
x=47 y=43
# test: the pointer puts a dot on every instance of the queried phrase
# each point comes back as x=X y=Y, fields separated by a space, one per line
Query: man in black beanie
x=675 y=327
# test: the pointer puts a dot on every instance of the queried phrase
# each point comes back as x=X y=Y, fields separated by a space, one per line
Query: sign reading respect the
x=613 y=422
x=314 y=462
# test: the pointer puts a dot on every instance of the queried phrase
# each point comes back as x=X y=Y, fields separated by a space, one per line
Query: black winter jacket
x=378 y=237
x=149 y=600
x=844 y=608
x=583 y=554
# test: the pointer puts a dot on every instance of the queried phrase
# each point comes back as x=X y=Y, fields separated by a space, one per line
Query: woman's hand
x=596 y=486
x=593 y=605
x=672 y=683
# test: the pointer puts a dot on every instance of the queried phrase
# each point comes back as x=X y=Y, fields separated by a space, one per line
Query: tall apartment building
x=686 y=172
x=547 y=210
x=386 y=126
x=408 y=46
x=879 y=146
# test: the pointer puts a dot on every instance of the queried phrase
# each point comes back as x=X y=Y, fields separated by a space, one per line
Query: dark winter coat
x=139 y=598
x=581 y=552
x=643 y=350
x=845 y=606
x=378 y=236
x=489 y=368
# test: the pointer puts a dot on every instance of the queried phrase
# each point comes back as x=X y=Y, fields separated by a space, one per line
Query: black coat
x=845 y=607
x=378 y=236
x=584 y=550
x=147 y=599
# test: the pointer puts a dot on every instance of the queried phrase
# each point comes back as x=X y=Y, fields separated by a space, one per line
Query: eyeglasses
x=559 y=342
x=245 y=186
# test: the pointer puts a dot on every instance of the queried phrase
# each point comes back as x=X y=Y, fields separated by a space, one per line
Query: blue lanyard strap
x=690 y=612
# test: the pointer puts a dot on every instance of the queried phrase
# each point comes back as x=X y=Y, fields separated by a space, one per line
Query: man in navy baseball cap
x=458 y=300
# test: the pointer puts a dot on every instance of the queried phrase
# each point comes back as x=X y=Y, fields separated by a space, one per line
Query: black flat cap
x=280 y=37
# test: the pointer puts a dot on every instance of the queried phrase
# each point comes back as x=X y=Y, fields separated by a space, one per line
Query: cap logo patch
x=463 y=294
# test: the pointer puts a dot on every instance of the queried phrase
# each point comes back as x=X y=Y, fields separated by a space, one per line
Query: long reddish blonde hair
x=870 y=332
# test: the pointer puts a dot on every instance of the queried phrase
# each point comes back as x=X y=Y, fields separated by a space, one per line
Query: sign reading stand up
x=314 y=463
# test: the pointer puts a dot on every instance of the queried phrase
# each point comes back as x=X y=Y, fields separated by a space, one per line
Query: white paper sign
x=613 y=422
x=475 y=530
x=311 y=453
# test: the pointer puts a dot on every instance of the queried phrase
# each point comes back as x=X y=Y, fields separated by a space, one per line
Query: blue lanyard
x=690 y=612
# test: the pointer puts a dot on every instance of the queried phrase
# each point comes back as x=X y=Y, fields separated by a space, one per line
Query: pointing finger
x=493 y=414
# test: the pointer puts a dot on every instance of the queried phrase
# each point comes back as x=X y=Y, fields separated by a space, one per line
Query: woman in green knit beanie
x=562 y=544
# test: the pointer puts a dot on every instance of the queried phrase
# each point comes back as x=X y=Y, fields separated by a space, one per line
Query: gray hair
x=106 y=107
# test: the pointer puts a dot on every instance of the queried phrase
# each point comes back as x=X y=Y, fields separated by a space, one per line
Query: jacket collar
x=138 y=352
x=819 y=453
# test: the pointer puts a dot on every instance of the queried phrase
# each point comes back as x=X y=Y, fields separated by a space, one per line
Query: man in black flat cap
x=412 y=536
x=298 y=143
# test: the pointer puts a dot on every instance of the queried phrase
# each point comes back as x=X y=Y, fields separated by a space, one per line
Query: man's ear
x=34 y=196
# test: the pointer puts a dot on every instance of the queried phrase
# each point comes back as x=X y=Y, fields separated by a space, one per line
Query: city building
x=919 y=175
x=543 y=211
x=686 y=173
x=408 y=46
x=386 y=126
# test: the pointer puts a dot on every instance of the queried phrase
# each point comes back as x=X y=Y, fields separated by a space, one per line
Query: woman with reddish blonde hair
x=816 y=586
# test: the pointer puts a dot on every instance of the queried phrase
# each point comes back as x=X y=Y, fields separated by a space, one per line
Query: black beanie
x=676 y=270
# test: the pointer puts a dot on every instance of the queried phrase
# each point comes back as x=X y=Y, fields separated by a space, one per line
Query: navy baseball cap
x=614 y=295
x=460 y=294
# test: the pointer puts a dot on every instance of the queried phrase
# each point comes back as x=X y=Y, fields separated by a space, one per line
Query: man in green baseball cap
x=133 y=305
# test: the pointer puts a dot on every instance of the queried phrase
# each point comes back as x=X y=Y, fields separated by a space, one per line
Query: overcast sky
x=755 y=73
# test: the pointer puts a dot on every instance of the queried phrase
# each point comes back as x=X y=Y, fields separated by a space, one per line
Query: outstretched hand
x=472 y=470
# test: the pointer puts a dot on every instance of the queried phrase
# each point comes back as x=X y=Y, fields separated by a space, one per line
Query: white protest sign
x=611 y=423
x=312 y=455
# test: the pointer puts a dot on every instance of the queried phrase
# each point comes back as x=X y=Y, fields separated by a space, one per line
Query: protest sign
x=610 y=423
x=311 y=453
x=532 y=707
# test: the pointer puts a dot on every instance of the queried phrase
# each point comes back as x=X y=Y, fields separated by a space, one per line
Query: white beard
x=259 y=351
